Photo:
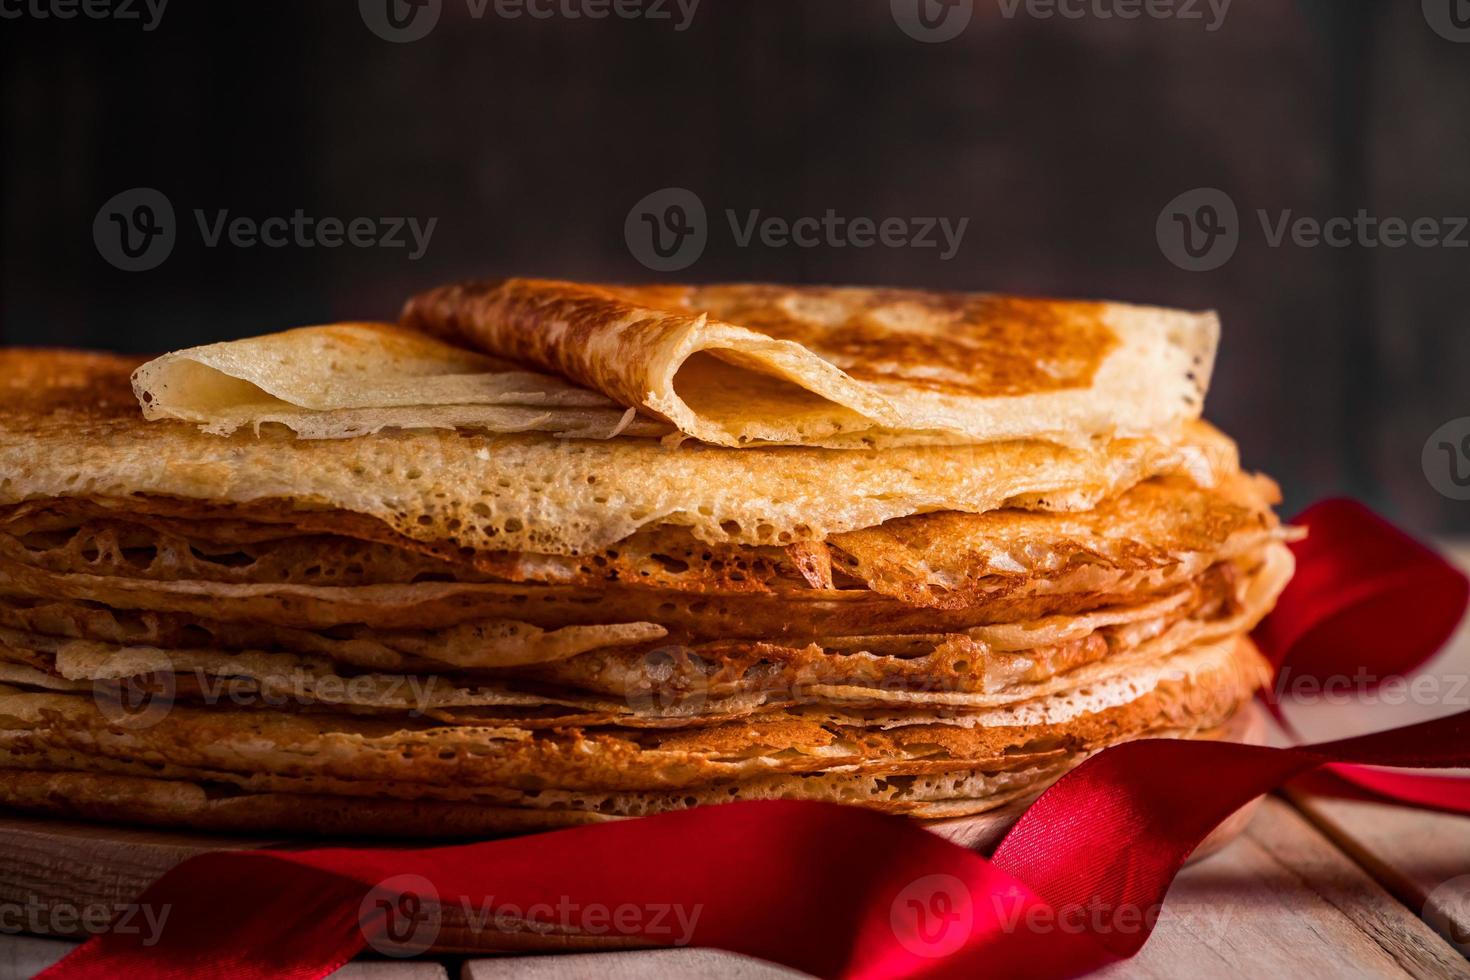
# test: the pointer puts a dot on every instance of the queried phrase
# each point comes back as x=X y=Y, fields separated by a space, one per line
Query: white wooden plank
x=647 y=964
x=1352 y=709
x=392 y=970
x=22 y=957
x=1282 y=901
x=1421 y=856
x=25 y=956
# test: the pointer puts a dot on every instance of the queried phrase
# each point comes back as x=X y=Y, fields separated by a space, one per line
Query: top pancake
x=70 y=427
x=740 y=364
x=351 y=379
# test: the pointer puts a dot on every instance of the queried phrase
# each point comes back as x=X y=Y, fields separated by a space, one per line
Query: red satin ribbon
x=840 y=891
x=1368 y=604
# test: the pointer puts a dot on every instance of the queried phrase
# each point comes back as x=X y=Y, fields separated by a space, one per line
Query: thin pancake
x=467 y=646
x=76 y=786
x=737 y=365
x=944 y=559
x=352 y=379
x=70 y=428
x=489 y=645
x=1199 y=687
x=664 y=684
x=956 y=670
x=686 y=617
x=1155 y=533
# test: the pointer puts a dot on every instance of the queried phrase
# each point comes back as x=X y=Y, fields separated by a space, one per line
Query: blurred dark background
x=1061 y=139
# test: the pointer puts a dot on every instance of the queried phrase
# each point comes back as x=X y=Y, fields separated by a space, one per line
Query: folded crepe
x=69 y=427
x=219 y=608
x=352 y=379
x=735 y=365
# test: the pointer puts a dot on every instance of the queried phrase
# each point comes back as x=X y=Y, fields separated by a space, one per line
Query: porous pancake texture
x=317 y=568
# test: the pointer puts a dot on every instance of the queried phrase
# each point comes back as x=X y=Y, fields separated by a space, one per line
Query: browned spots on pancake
x=274 y=541
x=552 y=325
x=35 y=384
x=946 y=663
x=964 y=343
x=952 y=560
x=426 y=753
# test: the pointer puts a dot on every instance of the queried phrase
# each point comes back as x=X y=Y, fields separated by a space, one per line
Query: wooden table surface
x=1320 y=885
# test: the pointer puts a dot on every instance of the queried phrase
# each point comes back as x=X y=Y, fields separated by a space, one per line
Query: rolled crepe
x=740 y=364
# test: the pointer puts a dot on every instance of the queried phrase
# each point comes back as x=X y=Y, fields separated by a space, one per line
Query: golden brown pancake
x=69 y=428
x=968 y=541
x=1198 y=688
x=736 y=365
x=643 y=680
x=353 y=379
x=1158 y=524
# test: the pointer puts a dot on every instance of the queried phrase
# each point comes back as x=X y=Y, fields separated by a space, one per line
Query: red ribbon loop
x=1368 y=604
x=1365 y=597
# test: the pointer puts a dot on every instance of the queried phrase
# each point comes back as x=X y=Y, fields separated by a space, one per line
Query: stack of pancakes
x=549 y=553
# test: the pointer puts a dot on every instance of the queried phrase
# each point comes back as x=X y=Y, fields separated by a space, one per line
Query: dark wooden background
x=529 y=140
